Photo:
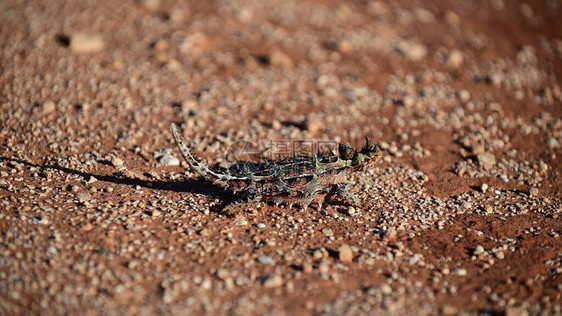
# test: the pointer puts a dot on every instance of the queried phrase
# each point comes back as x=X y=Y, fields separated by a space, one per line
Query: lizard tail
x=199 y=167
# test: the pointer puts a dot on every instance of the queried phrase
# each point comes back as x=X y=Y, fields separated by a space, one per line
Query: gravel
x=98 y=215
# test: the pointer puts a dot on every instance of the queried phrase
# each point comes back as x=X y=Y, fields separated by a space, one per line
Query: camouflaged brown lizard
x=294 y=180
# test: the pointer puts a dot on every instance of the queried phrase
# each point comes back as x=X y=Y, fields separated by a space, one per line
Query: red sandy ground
x=84 y=233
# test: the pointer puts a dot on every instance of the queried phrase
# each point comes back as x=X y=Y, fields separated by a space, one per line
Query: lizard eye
x=346 y=152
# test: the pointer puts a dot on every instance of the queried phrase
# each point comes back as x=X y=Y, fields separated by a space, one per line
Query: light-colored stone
x=486 y=159
x=345 y=254
x=478 y=250
x=280 y=59
x=83 y=197
x=412 y=50
x=312 y=125
x=151 y=4
x=266 y=260
x=449 y=310
x=272 y=281
x=116 y=161
x=86 y=43
x=168 y=160
x=386 y=289
x=484 y=187
x=452 y=18
x=460 y=272
x=49 y=106
x=553 y=143
x=455 y=58
x=327 y=232
x=464 y=96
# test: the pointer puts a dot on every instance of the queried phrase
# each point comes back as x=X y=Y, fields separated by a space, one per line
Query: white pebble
x=168 y=160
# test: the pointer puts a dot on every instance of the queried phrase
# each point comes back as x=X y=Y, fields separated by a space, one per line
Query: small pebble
x=484 y=187
x=455 y=58
x=453 y=19
x=386 y=289
x=449 y=310
x=553 y=143
x=478 y=250
x=460 y=272
x=280 y=59
x=409 y=101
x=116 y=161
x=327 y=232
x=464 y=96
x=477 y=149
x=486 y=159
x=83 y=197
x=49 y=106
x=87 y=227
x=151 y=4
x=312 y=124
x=533 y=191
x=266 y=260
x=323 y=267
x=91 y=180
x=272 y=281
x=85 y=43
x=168 y=160
x=345 y=254
x=384 y=145
x=307 y=267
x=411 y=50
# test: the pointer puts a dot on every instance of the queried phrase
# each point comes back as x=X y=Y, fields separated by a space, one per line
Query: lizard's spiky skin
x=289 y=181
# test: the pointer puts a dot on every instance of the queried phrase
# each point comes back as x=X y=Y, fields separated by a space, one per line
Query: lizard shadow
x=189 y=185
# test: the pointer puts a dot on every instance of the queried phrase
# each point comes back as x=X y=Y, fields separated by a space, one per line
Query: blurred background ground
x=462 y=216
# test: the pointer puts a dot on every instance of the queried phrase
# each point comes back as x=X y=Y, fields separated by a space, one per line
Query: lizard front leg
x=340 y=194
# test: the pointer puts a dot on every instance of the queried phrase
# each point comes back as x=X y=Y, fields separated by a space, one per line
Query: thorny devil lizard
x=289 y=181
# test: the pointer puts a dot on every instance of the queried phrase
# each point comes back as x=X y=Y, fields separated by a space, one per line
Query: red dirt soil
x=98 y=215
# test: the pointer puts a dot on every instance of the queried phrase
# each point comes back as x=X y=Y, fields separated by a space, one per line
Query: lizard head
x=346 y=152
x=369 y=154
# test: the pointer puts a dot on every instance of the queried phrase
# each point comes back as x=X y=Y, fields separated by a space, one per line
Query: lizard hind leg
x=320 y=201
x=321 y=197
x=305 y=202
